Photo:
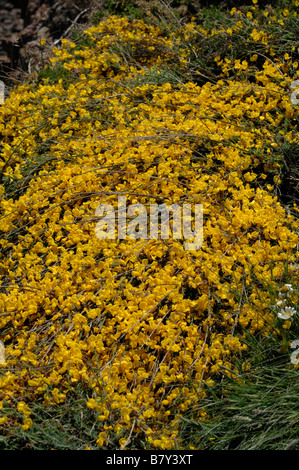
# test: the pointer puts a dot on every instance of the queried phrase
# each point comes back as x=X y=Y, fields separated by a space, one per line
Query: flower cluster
x=142 y=324
x=287 y=295
x=286 y=312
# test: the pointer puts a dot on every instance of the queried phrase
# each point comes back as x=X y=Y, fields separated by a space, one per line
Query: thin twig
x=70 y=27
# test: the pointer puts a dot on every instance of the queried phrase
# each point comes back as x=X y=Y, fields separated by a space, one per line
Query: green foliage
x=258 y=412
x=54 y=74
x=67 y=426
x=123 y=8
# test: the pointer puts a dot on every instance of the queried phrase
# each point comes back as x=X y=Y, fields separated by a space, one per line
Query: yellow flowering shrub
x=142 y=324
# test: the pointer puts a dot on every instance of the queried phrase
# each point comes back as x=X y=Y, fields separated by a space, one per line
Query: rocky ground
x=23 y=23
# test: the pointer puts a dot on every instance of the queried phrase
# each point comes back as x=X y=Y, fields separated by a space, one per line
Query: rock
x=23 y=23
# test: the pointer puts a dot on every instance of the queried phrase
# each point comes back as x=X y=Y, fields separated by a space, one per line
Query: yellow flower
x=27 y=424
